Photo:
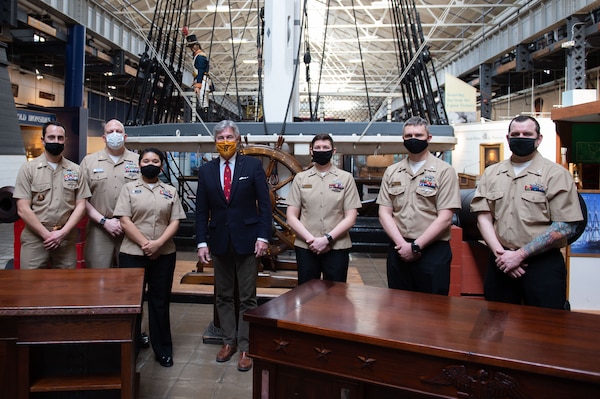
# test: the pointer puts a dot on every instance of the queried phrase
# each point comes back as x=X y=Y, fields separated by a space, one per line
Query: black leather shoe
x=144 y=341
x=165 y=361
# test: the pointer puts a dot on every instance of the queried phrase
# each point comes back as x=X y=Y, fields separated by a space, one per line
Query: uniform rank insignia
x=428 y=181
x=70 y=175
x=336 y=186
x=166 y=194
x=535 y=187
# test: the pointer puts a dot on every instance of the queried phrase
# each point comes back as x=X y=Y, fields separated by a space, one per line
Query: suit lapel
x=237 y=172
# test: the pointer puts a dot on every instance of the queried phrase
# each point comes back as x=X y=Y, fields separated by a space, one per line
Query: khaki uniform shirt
x=151 y=210
x=524 y=206
x=322 y=201
x=417 y=198
x=106 y=178
x=53 y=192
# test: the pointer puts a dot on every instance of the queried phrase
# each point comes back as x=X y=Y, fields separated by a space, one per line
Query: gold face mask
x=226 y=149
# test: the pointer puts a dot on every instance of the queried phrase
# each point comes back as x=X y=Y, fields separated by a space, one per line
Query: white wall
x=584 y=274
x=466 y=154
x=30 y=87
x=9 y=167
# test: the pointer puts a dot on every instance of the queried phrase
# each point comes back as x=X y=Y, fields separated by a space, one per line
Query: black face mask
x=521 y=146
x=54 y=148
x=415 y=146
x=150 y=171
x=322 y=157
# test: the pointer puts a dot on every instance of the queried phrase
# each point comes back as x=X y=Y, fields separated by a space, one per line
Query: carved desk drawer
x=327 y=339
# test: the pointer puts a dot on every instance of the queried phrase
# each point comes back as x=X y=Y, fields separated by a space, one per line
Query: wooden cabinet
x=335 y=340
x=577 y=126
x=69 y=330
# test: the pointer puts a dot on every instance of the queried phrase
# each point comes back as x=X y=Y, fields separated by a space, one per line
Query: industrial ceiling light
x=213 y=8
x=238 y=40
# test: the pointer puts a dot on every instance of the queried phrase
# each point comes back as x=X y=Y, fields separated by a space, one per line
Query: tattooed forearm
x=556 y=232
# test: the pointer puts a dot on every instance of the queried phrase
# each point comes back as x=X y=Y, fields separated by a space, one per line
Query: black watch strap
x=329 y=237
x=102 y=221
x=415 y=247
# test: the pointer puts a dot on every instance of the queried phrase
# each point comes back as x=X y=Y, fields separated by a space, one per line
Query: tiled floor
x=196 y=374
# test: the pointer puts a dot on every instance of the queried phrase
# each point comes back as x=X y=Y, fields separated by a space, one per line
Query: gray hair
x=219 y=127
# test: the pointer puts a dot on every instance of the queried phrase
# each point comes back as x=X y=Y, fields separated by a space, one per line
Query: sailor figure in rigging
x=201 y=83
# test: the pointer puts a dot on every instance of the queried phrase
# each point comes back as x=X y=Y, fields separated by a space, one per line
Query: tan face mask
x=226 y=149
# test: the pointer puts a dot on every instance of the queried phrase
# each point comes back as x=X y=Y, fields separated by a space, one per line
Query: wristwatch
x=329 y=237
x=415 y=247
x=102 y=221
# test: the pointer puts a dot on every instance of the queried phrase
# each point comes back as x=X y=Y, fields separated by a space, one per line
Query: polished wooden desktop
x=68 y=330
x=335 y=340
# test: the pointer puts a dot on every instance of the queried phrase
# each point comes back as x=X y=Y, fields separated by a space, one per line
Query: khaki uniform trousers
x=101 y=249
x=35 y=256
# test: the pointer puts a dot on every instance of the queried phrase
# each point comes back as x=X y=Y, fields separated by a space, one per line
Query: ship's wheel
x=275 y=159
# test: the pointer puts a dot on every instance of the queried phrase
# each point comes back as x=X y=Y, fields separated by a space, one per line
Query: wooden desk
x=334 y=340
x=69 y=330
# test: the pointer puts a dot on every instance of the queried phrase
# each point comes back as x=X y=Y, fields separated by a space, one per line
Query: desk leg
x=128 y=370
x=23 y=371
x=8 y=370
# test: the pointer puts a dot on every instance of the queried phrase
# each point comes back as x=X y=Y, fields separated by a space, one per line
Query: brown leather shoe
x=225 y=353
x=245 y=362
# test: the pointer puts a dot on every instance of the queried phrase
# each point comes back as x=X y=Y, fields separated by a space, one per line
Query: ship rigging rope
x=408 y=67
x=317 y=101
x=235 y=52
x=234 y=55
x=138 y=28
x=212 y=36
x=307 y=60
x=259 y=53
x=362 y=61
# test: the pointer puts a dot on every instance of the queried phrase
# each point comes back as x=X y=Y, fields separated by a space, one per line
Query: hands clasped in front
x=113 y=227
x=54 y=239
x=406 y=253
x=151 y=249
x=511 y=262
x=319 y=245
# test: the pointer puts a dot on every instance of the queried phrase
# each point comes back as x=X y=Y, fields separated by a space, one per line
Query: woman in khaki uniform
x=322 y=206
x=150 y=211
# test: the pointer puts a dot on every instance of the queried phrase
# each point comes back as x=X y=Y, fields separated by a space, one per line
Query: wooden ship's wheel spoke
x=280 y=169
